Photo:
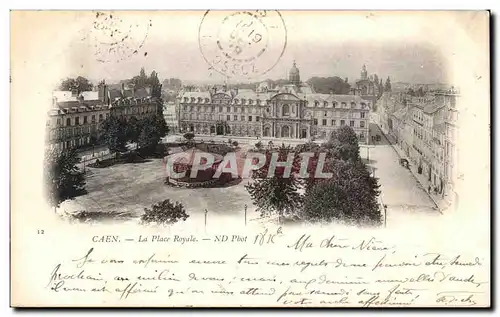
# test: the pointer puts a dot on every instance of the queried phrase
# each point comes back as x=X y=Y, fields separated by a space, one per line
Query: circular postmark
x=115 y=38
x=242 y=44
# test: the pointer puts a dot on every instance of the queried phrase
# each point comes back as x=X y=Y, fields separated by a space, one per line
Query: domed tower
x=364 y=73
x=294 y=75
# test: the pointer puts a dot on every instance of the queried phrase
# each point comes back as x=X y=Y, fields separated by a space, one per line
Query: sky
x=407 y=47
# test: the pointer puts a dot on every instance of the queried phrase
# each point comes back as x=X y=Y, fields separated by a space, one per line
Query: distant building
x=130 y=102
x=287 y=111
x=426 y=130
x=75 y=118
x=366 y=87
x=170 y=112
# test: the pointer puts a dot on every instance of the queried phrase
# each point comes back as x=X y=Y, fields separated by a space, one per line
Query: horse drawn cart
x=404 y=162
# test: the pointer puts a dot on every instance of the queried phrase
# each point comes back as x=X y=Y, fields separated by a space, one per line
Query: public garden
x=121 y=191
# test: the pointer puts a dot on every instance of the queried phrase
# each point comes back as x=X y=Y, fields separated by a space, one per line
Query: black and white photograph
x=359 y=137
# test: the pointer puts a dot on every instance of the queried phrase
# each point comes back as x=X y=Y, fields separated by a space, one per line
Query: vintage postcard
x=251 y=158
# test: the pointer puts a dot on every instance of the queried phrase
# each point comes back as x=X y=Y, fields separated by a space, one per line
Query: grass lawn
x=131 y=187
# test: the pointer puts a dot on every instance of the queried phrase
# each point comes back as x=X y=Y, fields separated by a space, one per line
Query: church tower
x=364 y=73
x=294 y=75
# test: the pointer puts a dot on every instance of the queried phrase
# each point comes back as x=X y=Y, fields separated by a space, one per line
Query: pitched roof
x=114 y=94
x=432 y=107
x=250 y=94
x=127 y=93
x=142 y=93
x=196 y=94
x=332 y=97
x=400 y=114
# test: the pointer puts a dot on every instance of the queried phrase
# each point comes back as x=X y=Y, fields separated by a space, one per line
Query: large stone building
x=292 y=110
x=75 y=118
x=367 y=87
x=425 y=129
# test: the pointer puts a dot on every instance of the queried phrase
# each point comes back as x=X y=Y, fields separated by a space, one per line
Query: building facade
x=289 y=111
x=170 y=113
x=426 y=129
x=75 y=118
x=367 y=87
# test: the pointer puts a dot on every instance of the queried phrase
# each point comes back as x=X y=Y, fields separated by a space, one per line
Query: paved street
x=400 y=190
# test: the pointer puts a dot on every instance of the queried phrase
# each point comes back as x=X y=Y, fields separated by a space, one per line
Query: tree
x=140 y=81
x=93 y=141
x=276 y=193
x=344 y=144
x=335 y=84
x=155 y=85
x=113 y=133
x=134 y=128
x=189 y=88
x=63 y=178
x=189 y=136
x=152 y=129
x=149 y=136
x=160 y=125
x=79 y=84
x=164 y=213
x=387 y=86
x=316 y=150
x=350 y=196
x=259 y=146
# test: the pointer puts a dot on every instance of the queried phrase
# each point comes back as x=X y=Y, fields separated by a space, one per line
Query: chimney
x=123 y=88
x=102 y=92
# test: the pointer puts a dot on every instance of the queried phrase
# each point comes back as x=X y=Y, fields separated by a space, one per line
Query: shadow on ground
x=98 y=216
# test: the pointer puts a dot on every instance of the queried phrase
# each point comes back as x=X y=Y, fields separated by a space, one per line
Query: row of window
x=221 y=109
x=141 y=110
x=85 y=120
x=334 y=123
x=207 y=100
x=70 y=132
x=362 y=115
x=336 y=105
x=317 y=103
x=285 y=110
x=221 y=117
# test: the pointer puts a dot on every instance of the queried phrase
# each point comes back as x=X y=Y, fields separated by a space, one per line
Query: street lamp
x=385 y=216
x=246 y=214
x=206 y=212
